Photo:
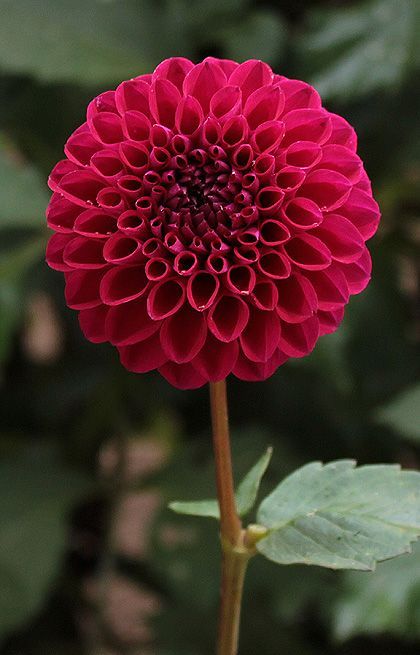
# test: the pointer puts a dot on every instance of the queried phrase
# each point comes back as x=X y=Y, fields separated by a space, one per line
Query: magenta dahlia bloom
x=210 y=219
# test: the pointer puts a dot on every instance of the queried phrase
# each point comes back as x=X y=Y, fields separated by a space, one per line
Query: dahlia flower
x=210 y=219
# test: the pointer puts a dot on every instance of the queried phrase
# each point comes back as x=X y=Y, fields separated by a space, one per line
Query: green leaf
x=35 y=496
x=88 y=41
x=341 y=517
x=246 y=494
x=247 y=491
x=387 y=602
x=403 y=413
x=23 y=193
x=205 y=508
x=357 y=50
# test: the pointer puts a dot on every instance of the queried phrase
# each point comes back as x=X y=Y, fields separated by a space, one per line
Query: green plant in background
x=76 y=401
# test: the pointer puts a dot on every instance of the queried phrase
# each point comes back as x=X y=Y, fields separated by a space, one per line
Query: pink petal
x=111 y=200
x=328 y=189
x=59 y=171
x=269 y=200
x=122 y=284
x=216 y=359
x=95 y=223
x=274 y=264
x=189 y=115
x=173 y=69
x=290 y=178
x=108 y=164
x=135 y=156
x=164 y=98
x=304 y=154
x=299 y=95
x=123 y=249
x=92 y=323
x=165 y=299
x=265 y=295
x=251 y=75
x=228 y=318
x=84 y=253
x=107 y=128
x=82 y=289
x=297 y=299
x=308 y=252
x=143 y=356
x=267 y=136
x=133 y=95
x=341 y=237
x=226 y=102
x=55 y=249
x=363 y=211
x=358 y=273
x=129 y=323
x=343 y=160
x=183 y=334
x=61 y=214
x=235 y=131
x=331 y=288
x=307 y=125
x=81 y=145
x=273 y=232
x=227 y=65
x=182 y=376
x=136 y=126
x=302 y=213
x=256 y=372
x=329 y=321
x=202 y=289
x=104 y=102
x=299 y=339
x=203 y=81
x=264 y=104
x=81 y=187
x=342 y=133
x=261 y=336
x=240 y=279
x=157 y=269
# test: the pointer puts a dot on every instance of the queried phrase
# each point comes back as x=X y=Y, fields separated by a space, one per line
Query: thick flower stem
x=234 y=565
x=235 y=555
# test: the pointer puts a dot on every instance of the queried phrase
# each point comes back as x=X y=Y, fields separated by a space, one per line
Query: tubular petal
x=299 y=339
x=143 y=356
x=182 y=376
x=179 y=345
x=122 y=284
x=228 y=318
x=92 y=323
x=261 y=336
x=129 y=323
x=216 y=359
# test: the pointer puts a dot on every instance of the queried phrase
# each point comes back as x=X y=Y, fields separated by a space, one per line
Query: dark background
x=68 y=412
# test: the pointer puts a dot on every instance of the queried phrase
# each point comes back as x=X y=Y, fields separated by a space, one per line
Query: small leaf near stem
x=245 y=495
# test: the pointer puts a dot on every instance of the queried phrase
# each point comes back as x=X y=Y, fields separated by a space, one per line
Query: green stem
x=235 y=554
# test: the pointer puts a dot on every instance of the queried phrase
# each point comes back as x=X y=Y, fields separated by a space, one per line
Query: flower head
x=210 y=219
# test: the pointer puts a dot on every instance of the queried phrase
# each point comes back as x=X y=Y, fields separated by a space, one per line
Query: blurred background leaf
x=403 y=413
x=361 y=49
x=56 y=388
x=36 y=494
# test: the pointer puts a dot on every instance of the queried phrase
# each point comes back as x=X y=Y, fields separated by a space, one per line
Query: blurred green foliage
x=63 y=399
